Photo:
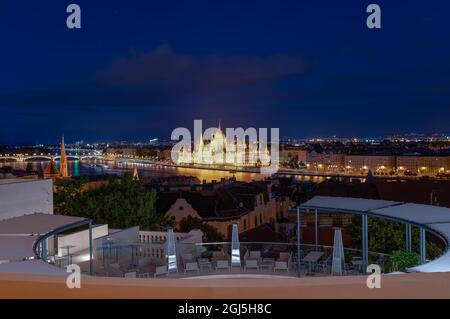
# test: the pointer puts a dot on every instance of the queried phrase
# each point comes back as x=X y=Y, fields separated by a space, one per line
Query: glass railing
x=130 y=259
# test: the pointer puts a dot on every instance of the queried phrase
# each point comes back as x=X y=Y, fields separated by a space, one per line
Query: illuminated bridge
x=71 y=155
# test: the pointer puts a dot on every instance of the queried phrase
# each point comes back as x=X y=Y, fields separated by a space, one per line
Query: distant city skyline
x=137 y=72
x=158 y=140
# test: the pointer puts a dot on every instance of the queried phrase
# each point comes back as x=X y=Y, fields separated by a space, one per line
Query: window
x=245 y=224
x=256 y=221
x=260 y=219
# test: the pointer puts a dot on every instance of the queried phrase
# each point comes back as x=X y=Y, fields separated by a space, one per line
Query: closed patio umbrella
x=337 y=267
x=171 y=253
x=235 y=254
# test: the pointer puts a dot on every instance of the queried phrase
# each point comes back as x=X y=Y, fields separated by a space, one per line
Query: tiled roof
x=230 y=200
x=262 y=233
x=358 y=190
x=418 y=192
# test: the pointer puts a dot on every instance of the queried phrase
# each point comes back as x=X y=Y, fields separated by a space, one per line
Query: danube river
x=97 y=167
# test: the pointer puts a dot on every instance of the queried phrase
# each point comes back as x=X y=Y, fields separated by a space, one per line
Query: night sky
x=139 y=69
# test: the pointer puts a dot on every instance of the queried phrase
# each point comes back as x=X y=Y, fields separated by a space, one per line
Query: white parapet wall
x=80 y=240
x=153 y=243
x=147 y=236
x=20 y=197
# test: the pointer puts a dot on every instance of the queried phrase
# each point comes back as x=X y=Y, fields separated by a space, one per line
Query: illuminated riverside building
x=364 y=163
x=423 y=165
x=324 y=162
x=287 y=153
x=219 y=151
x=378 y=164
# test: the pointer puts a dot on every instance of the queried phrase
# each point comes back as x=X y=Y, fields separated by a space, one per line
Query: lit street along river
x=99 y=167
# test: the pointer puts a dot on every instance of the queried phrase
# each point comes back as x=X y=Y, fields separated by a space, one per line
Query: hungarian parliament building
x=217 y=151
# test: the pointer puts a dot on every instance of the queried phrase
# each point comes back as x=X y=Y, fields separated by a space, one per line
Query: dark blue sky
x=138 y=69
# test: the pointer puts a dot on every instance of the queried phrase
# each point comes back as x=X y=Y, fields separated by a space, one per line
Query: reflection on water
x=99 y=167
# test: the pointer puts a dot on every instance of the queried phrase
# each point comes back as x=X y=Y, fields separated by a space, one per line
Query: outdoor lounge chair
x=115 y=266
x=204 y=263
x=223 y=264
x=251 y=263
x=191 y=266
x=255 y=255
x=218 y=254
x=161 y=270
x=323 y=265
x=131 y=274
x=187 y=258
x=283 y=262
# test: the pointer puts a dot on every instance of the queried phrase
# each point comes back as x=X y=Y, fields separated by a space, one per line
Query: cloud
x=162 y=78
x=199 y=75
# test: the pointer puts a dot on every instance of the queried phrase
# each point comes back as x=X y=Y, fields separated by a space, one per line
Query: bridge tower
x=63 y=169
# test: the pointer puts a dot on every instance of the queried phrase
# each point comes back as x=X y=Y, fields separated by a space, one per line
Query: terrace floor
x=416 y=285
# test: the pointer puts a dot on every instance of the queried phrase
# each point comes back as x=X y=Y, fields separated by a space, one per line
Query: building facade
x=220 y=151
x=245 y=204
x=324 y=162
x=423 y=165
x=288 y=153
x=20 y=197
x=361 y=164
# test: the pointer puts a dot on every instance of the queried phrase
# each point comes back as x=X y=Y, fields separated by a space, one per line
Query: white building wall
x=20 y=197
x=153 y=244
x=80 y=239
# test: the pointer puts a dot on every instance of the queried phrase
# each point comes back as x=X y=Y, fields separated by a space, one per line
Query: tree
x=122 y=203
x=210 y=233
x=402 y=260
x=293 y=162
x=387 y=236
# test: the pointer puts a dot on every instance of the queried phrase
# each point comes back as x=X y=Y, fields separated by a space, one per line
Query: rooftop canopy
x=417 y=213
x=39 y=267
x=434 y=218
x=37 y=223
x=347 y=203
x=18 y=234
x=16 y=248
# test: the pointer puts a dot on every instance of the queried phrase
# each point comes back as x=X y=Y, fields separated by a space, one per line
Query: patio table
x=357 y=264
x=69 y=256
x=311 y=258
x=204 y=263
x=267 y=263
